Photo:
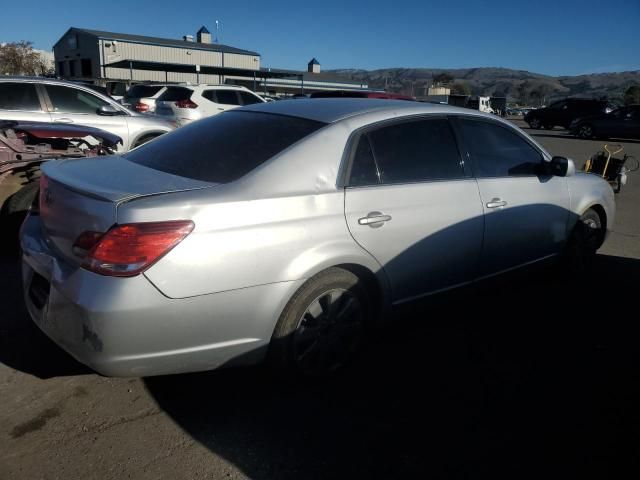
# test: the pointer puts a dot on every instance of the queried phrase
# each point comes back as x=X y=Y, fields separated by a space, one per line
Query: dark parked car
x=621 y=123
x=565 y=111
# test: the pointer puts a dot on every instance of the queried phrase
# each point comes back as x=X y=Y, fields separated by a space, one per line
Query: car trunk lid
x=83 y=195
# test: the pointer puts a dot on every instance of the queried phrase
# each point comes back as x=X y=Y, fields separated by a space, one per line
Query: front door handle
x=496 y=203
x=63 y=120
x=374 y=219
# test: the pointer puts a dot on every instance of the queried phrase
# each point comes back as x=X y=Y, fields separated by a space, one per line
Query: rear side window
x=72 y=100
x=143 y=91
x=223 y=148
x=19 y=96
x=364 y=170
x=416 y=151
x=227 y=97
x=175 y=94
x=497 y=151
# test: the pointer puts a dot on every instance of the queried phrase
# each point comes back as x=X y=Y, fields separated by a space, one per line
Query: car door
x=22 y=101
x=410 y=204
x=631 y=122
x=526 y=212
x=78 y=106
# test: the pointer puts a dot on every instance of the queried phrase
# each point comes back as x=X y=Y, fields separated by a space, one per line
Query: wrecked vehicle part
x=24 y=146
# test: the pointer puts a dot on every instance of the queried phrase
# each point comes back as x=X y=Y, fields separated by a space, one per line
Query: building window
x=85 y=65
x=61 y=69
x=72 y=68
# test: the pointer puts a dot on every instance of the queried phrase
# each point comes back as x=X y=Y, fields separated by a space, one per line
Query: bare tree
x=442 y=79
x=19 y=58
x=461 y=88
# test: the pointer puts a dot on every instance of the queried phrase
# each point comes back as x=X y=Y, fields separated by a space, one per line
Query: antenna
x=217 y=27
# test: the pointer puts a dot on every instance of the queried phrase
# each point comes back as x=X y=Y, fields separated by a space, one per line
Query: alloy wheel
x=328 y=332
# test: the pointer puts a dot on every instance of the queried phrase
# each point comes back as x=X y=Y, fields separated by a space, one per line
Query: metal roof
x=203 y=29
x=309 y=76
x=314 y=61
x=163 y=42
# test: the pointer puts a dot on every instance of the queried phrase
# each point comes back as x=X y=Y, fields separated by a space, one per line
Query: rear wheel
x=585 y=131
x=145 y=139
x=322 y=326
x=535 y=123
x=585 y=240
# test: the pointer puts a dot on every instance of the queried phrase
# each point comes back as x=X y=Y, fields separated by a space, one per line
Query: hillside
x=499 y=81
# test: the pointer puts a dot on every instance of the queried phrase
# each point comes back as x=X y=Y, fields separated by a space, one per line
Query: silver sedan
x=40 y=99
x=279 y=230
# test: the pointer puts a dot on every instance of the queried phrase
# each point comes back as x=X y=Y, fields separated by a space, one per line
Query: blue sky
x=550 y=37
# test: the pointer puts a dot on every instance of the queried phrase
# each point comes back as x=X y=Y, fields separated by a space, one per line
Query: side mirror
x=560 y=167
x=108 y=110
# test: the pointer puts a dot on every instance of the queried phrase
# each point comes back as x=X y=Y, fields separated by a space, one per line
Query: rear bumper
x=126 y=327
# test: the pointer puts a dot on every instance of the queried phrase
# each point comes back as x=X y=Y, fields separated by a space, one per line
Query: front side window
x=497 y=151
x=558 y=105
x=19 y=96
x=72 y=100
x=416 y=151
x=248 y=98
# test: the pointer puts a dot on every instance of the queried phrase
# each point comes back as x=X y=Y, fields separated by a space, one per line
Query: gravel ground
x=531 y=376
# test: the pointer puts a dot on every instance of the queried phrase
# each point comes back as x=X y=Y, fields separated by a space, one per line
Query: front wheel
x=585 y=240
x=322 y=326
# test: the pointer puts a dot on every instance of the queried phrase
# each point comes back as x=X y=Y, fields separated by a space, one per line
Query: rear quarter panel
x=240 y=244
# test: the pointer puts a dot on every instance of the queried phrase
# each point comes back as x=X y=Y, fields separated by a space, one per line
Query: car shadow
x=527 y=375
x=23 y=346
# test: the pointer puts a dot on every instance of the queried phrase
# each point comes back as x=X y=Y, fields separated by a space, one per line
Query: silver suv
x=58 y=101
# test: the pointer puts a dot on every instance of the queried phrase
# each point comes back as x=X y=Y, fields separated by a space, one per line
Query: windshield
x=223 y=148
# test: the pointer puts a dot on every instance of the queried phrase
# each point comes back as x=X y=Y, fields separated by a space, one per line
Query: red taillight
x=127 y=250
x=141 y=107
x=186 y=103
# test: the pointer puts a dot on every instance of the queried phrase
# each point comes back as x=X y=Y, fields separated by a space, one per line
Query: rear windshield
x=143 y=91
x=223 y=148
x=174 y=94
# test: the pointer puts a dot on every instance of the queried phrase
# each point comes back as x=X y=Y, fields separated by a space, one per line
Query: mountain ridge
x=517 y=85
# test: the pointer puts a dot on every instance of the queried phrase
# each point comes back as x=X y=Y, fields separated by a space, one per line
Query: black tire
x=535 y=123
x=548 y=126
x=585 y=240
x=13 y=212
x=321 y=328
x=145 y=139
x=585 y=131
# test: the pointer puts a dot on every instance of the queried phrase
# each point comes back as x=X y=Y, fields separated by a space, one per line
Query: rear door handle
x=496 y=203
x=63 y=120
x=374 y=219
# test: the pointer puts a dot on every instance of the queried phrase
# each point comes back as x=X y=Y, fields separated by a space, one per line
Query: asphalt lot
x=532 y=376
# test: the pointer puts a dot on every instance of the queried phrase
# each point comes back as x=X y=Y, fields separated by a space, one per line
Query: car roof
x=330 y=110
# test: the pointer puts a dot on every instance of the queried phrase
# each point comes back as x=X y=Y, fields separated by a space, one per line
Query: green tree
x=19 y=58
x=632 y=95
